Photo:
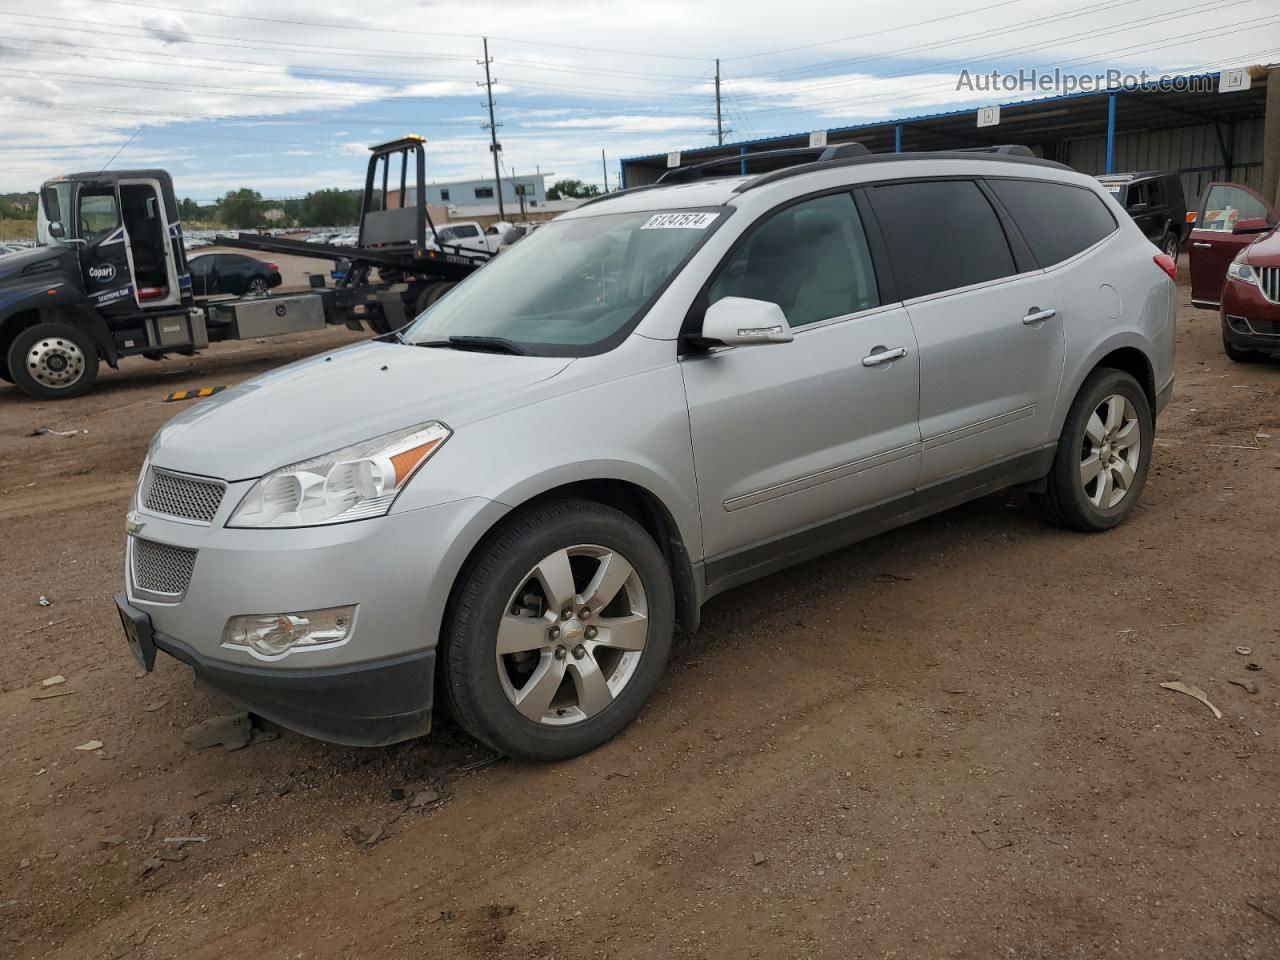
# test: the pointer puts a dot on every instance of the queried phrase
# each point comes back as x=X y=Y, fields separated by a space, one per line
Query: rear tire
x=523 y=668
x=53 y=361
x=259 y=286
x=1169 y=245
x=1103 y=455
x=1239 y=355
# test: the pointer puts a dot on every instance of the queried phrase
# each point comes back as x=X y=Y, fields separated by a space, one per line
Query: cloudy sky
x=285 y=96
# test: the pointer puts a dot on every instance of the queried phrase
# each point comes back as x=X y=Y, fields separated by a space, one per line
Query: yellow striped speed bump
x=194 y=394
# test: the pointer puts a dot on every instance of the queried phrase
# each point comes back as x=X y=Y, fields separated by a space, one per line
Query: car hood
x=12 y=265
x=1265 y=251
x=335 y=399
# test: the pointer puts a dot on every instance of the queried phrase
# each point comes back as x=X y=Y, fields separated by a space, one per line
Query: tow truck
x=109 y=277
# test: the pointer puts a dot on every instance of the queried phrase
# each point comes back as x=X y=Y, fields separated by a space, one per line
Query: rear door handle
x=1037 y=316
x=881 y=355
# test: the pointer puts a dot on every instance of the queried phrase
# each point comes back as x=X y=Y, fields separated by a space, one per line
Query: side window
x=810 y=259
x=466 y=230
x=1155 y=193
x=1057 y=220
x=200 y=266
x=942 y=234
x=1224 y=205
x=99 y=215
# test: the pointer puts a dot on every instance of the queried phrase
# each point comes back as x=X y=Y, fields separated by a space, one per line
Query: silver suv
x=511 y=504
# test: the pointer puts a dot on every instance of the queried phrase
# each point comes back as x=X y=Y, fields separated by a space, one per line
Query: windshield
x=62 y=193
x=571 y=285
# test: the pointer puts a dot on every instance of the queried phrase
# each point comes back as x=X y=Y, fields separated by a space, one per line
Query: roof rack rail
x=1004 y=149
x=770 y=159
x=1014 y=153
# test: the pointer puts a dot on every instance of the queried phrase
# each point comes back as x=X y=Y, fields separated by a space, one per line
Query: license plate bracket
x=138 y=633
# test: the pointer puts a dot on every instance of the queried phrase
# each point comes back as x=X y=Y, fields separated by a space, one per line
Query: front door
x=991 y=340
x=789 y=436
x=104 y=254
x=1213 y=245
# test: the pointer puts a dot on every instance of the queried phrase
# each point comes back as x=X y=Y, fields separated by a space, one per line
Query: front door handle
x=1038 y=316
x=1206 y=246
x=882 y=355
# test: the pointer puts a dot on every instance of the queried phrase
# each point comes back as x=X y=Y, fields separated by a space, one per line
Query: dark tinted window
x=810 y=259
x=942 y=235
x=200 y=265
x=1057 y=220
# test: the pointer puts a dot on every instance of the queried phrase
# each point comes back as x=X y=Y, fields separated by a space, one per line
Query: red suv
x=1235 y=267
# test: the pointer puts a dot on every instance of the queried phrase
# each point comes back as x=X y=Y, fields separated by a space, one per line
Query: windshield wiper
x=481 y=344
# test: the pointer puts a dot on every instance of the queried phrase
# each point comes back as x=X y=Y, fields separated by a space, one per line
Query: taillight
x=273 y=267
x=1167 y=264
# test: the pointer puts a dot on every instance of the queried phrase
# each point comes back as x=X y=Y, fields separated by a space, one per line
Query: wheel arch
x=1123 y=352
x=636 y=501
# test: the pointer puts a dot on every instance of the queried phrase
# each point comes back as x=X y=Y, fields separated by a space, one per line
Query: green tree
x=188 y=209
x=572 y=188
x=329 y=208
x=241 y=208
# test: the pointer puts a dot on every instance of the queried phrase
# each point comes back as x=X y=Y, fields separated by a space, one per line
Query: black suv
x=1155 y=201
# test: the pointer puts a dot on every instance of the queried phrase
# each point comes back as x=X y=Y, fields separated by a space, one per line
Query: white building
x=467 y=196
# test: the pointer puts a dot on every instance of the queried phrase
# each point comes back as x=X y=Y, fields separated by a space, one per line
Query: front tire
x=53 y=361
x=259 y=287
x=1103 y=455
x=558 y=631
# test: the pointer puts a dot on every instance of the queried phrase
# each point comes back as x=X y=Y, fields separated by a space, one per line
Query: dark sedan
x=231 y=273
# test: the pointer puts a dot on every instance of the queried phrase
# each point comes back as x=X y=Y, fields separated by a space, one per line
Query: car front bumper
x=1249 y=320
x=372 y=688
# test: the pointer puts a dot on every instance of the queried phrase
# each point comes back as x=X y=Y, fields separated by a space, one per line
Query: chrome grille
x=160 y=568
x=1269 y=281
x=178 y=495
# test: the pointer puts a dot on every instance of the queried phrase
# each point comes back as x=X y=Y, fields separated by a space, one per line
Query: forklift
x=109 y=277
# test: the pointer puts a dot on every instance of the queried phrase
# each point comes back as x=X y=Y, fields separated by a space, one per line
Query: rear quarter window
x=1057 y=219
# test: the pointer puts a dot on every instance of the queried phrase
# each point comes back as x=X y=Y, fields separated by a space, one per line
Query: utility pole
x=719 y=123
x=492 y=127
x=604 y=167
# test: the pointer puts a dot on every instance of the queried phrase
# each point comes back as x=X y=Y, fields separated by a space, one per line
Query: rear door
x=985 y=317
x=1213 y=245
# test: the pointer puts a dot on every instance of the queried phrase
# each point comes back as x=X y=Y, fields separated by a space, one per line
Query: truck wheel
x=1103 y=455
x=558 y=632
x=53 y=361
x=430 y=294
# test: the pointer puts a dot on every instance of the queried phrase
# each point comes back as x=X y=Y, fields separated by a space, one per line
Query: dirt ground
x=948 y=742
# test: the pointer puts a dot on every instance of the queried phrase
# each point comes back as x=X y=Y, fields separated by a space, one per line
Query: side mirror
x=56 y=230
x=740 y=322
x=1252 y=225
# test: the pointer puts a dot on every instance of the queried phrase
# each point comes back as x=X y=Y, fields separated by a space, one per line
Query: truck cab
x=108 y=278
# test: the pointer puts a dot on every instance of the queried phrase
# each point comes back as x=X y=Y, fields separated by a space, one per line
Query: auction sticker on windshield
x=679 y=221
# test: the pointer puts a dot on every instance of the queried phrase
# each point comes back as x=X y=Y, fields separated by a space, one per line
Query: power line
x=1013 y=51
x=876 y=33
x=395 y=30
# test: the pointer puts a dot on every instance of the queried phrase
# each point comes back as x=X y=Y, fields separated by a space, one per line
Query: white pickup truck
x=469 y=235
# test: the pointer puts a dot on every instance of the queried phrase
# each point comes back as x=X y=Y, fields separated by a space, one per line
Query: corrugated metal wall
x=1192 y=150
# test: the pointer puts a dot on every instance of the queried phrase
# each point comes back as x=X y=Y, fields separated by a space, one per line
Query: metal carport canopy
x=1042 y=124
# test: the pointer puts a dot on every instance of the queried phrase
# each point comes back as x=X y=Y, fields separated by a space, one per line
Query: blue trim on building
x=901 y=121
x=1111 y=134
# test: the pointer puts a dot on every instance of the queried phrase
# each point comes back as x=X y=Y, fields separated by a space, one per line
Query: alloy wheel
x=55 y=362
x=572 y=635
x=1110 y=451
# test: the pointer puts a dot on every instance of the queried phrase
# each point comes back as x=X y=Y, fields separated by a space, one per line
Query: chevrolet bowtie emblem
x=132 y=524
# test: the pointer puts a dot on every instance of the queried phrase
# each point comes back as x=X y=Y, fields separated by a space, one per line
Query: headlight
x=1241 y=271
x=353 y=483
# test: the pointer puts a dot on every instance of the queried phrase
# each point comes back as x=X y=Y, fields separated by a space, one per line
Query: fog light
x=1239 y=324
x=275 y=634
